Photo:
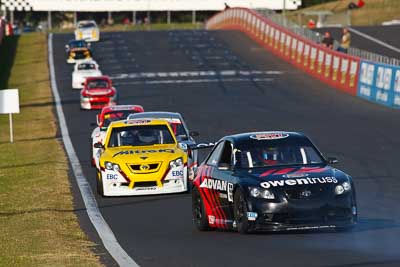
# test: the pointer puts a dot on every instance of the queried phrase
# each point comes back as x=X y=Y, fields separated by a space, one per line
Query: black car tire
x=99 y=183
x=198 y=211
x=240 y=213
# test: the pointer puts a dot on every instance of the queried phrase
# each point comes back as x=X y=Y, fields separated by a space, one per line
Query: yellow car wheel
x=99 y=182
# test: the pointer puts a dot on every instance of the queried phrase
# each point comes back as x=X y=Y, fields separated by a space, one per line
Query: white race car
x=87 y=30
x=82 y=70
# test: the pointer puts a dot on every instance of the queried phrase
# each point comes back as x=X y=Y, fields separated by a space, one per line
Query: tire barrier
x=337 y=69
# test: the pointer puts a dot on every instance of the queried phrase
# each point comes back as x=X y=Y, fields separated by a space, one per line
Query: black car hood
x=275 y=177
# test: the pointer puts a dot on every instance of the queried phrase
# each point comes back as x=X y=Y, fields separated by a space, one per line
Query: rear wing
x=201 y=146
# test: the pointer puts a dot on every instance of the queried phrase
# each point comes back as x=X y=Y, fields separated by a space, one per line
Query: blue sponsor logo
x=252 y=216
x=112 y=176
x=177 y=173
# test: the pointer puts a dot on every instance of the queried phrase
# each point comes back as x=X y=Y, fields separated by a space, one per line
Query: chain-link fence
x=316 y=37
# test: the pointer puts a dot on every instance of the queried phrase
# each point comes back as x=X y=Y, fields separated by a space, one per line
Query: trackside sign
x=9 y=104
x=9 y=101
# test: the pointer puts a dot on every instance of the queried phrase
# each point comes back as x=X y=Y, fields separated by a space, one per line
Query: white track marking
x=101 y=226
x=369 y=37
x=139 y=75
x=195 y=81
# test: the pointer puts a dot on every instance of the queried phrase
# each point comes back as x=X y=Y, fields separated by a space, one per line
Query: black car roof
x=243 y=137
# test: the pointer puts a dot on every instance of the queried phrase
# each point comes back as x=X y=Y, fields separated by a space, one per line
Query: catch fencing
x=332 y=67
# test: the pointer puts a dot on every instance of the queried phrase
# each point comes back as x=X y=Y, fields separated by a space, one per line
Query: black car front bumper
x=304 y=214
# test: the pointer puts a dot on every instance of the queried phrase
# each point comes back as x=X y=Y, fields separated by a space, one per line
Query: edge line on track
x=103 y=229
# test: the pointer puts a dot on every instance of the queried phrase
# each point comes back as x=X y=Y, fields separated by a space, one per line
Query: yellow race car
x=141 y=157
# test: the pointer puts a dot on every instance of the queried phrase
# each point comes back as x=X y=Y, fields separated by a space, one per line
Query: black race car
x=72 y=44
x=273 y=181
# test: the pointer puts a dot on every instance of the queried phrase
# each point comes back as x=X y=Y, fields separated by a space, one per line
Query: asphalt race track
x=387 y=34
x=224 y=83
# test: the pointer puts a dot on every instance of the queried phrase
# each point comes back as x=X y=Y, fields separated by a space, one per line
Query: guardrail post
x=134 y=17
x=49 y=22
x=12 y=16
x=75 y=18
x=194 y=17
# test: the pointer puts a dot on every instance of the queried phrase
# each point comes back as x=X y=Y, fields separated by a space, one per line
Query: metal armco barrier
x=380 y=83
x=334 y=68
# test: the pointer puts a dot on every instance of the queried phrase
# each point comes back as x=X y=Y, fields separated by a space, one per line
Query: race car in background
x=97 y=93
x=181 y=132
x=141 y=157
x=273 y=181
x=72 y=44
x=82 y=70
x=87 y=30
x=104 y=118
x=76 y=55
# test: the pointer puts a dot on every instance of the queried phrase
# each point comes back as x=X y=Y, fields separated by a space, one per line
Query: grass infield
x=37 y=220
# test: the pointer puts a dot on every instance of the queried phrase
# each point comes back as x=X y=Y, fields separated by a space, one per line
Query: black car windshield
x=86 y=66
x=278 y=152
x=87 y=25
x=96 y=84
x=116 y=116
x=144 y=135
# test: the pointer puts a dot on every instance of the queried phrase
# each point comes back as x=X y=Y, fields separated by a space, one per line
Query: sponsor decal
x=138 y=122
x=299 y=181
x=223 y=195
x=305 y=193
x=252 y=216
x=219 y=185
x=131 y=152
x=146 y=188
x=111 y=176
x=268 y=136
x=230 y=192
x=214 y=184
x=211 y=219
x=177 y=173
x=295 y=175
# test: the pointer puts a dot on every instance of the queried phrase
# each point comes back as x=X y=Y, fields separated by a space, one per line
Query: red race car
x=98 y=92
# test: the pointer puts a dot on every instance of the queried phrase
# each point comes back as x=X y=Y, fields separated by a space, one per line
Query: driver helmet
x=147 y=136
x=270 y=153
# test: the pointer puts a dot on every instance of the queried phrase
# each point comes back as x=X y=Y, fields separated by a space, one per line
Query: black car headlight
x=342 y=188
x=112 y=166
x=261 y=193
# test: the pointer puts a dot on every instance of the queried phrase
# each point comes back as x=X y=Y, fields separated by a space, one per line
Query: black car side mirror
x=332 y=160
x=224 y=166
x=194 y=133
x=98 y=145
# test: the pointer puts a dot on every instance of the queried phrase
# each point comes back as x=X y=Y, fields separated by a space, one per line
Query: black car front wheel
x=198 y=210
x=240 y=213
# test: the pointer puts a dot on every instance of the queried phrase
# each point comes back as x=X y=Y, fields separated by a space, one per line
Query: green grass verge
x=151 y=27
x=37 y=220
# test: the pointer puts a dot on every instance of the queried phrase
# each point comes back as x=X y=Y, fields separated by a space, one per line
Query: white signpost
x=9 y=104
